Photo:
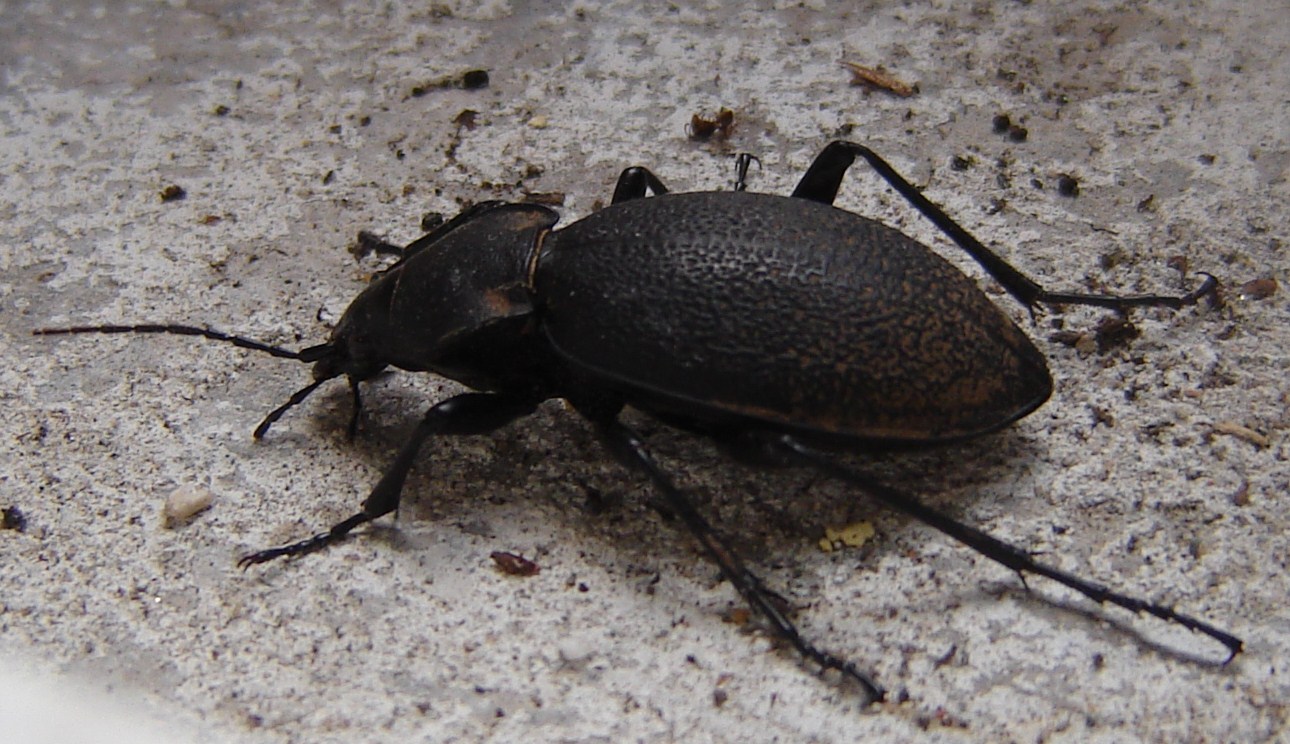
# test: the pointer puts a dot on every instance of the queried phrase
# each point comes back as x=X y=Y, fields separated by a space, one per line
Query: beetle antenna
x=307 y=354
x=179 y=330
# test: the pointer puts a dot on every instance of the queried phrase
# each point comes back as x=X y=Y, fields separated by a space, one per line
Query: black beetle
x=781 y=327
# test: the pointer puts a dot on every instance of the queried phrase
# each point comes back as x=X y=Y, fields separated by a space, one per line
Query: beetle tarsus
x=309 y=545
x=1208 y=286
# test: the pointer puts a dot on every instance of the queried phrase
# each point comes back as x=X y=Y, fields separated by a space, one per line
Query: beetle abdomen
x=787 y=311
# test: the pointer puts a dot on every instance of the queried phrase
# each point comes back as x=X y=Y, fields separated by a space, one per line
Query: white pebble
x=184 y=502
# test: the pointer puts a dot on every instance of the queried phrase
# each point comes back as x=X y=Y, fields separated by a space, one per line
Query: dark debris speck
x=474 y=79
x=12 y=518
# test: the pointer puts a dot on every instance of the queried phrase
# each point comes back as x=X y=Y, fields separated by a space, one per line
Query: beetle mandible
x=781 y=327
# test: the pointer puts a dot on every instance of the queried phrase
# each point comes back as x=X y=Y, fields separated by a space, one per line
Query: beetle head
x=346 y=354
x=438 y=309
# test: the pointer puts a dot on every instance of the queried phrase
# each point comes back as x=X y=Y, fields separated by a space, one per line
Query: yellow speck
x=538 y=122
x=851 y=536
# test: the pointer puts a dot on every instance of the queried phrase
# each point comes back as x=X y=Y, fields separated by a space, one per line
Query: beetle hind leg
x=628 y=448
x=824 y=177
x=1007 y=555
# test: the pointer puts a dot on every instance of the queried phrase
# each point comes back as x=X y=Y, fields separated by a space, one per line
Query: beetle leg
x=468 y=413
x=1008 y=555
x=824 y=177
x=352 y=430
x=742 y=161
x=633 y=182
x=629 y=449
x=369 y=242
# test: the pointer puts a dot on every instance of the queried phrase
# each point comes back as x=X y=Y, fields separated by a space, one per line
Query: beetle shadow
x=771 y=513
x=763 y=511
x=951 y=477
x=755 y=508
x=452 y=474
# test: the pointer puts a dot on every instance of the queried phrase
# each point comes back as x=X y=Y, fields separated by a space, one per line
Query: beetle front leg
x=628 y=448
x=824 y=177
x=468 y=413
x=633 y=182
x=357 y=411
x=996 y=550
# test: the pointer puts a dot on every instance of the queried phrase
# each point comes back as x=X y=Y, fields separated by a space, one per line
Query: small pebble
x=184 y=502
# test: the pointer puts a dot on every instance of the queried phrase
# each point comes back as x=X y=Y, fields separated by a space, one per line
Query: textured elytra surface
x=789 y=311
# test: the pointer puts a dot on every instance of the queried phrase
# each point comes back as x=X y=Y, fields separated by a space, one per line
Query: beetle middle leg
x=468 y=413
x=628 y=448
x=824 y=177
x=742 y=161
x=1007 y=555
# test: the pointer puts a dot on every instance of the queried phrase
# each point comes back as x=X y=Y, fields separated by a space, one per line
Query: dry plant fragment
x=877 y=77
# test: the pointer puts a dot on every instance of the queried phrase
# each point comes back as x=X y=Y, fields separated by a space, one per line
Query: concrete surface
x=1160 y=465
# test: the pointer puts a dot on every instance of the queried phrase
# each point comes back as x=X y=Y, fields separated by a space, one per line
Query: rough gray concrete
x=1159 y=466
